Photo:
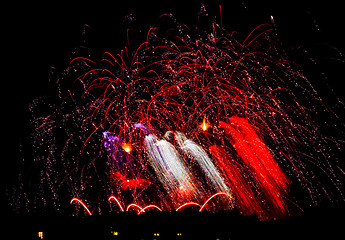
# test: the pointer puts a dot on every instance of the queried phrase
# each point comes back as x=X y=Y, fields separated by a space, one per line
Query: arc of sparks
x=134 y=205
x=81 y=203
x=187 y=204
x=117 y=201
x=215 y=195
x=142 y=209
x=150 y=206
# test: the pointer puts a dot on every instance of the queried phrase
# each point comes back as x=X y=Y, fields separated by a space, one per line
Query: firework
x=200 y=120
x=200 y=156
x=246 y=200
x=169 y=168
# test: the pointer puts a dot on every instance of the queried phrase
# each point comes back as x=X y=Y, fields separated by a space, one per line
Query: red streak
x=220 y=15
x=257 y=157
x=141 y=210
x=80 y=58
x=215 y=195
x=187 y=204
x=261 y=25
x=81 y=203
x=234 y=174
x=150 y=206
x=117 y=201
x=134 y=205
x=261 y=151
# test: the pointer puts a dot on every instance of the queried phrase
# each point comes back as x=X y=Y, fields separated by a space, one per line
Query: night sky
x=40 y=36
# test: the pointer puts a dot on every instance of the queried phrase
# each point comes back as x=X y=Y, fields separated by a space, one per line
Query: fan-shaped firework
x=190 y=119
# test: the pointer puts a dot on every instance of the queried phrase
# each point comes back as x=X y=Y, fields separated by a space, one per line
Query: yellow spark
x=127 y=147
x=204 y=126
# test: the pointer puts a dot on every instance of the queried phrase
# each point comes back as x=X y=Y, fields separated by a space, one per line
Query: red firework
x=130 y=184
x=183 y=117
x=254 y=153
x=234 y=174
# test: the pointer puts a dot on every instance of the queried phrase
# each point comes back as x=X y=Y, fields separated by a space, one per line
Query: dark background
x=38 y=36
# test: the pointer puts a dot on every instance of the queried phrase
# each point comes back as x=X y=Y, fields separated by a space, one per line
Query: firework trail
x=253 y=151
x=233 y=172
x=186 y=120
x=170 y=170
x=267 y=183
x=201 y=157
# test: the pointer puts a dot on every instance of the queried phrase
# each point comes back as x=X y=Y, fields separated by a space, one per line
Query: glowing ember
x=127 y=147
x=204 y=126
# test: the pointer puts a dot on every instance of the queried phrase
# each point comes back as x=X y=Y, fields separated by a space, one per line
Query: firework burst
x=198 y=118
